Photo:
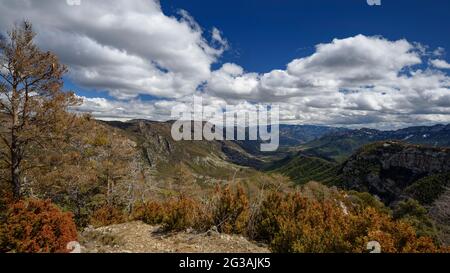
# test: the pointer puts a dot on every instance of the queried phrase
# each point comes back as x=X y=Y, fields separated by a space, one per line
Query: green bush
x=364 y=200
x=412 y=212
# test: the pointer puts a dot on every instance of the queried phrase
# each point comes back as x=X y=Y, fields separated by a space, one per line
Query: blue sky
x=267 y=34
x=331 y=62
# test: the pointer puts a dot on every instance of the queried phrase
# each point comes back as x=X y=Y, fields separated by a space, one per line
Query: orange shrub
x=273 y=210
x=174 y=214
x=107 y=215
x=181 y=213
x=231 y=210
x=393 y=236
x=150 y=213
x=293 y=223
x=37 y=226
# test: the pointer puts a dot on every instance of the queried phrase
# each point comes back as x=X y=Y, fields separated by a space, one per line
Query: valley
x=394 y=166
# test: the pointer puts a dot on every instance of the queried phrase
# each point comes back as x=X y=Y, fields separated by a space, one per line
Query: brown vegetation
x=292 y=222
x=36 y=226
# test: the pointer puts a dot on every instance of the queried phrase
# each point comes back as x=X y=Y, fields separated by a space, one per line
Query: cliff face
x=418 y=160
x=388 y=168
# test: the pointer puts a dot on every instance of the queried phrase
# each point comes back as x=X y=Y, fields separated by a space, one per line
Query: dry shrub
x=273 y=220
x=294 y=223
x=290 y=222
x=37 y=226
x=107 y=215
x=180 y=213
x=228 y=210
x=393 y=236
x=231 y=210
x=149 y=212
x=174 y=214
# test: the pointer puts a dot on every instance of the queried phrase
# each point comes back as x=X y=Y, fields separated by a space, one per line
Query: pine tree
x=33 y=107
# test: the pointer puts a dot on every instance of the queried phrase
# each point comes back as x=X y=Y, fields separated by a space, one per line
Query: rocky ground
x=136 y=236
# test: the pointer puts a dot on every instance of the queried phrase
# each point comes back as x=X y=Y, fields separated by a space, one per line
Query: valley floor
x=138 y=237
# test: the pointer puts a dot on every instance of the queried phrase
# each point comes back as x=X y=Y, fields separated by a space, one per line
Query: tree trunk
x=15 y=152
x=16 y=188
x=15 y=174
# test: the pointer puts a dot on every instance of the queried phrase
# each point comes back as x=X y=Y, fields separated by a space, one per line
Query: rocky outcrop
x=418 y=160
x=387 y=168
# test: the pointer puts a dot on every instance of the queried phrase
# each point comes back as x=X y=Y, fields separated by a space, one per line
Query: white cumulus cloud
x=442 y=64
x=124 y=47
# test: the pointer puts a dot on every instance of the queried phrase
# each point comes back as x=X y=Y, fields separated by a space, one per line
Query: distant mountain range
x=338 y=145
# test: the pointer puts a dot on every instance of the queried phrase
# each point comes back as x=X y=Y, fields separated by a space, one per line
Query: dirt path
x=139 y=237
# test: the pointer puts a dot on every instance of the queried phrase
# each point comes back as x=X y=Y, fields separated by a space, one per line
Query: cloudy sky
x=323 y=62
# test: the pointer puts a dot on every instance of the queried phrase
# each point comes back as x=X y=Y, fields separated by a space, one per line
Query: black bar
x=270 y=262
